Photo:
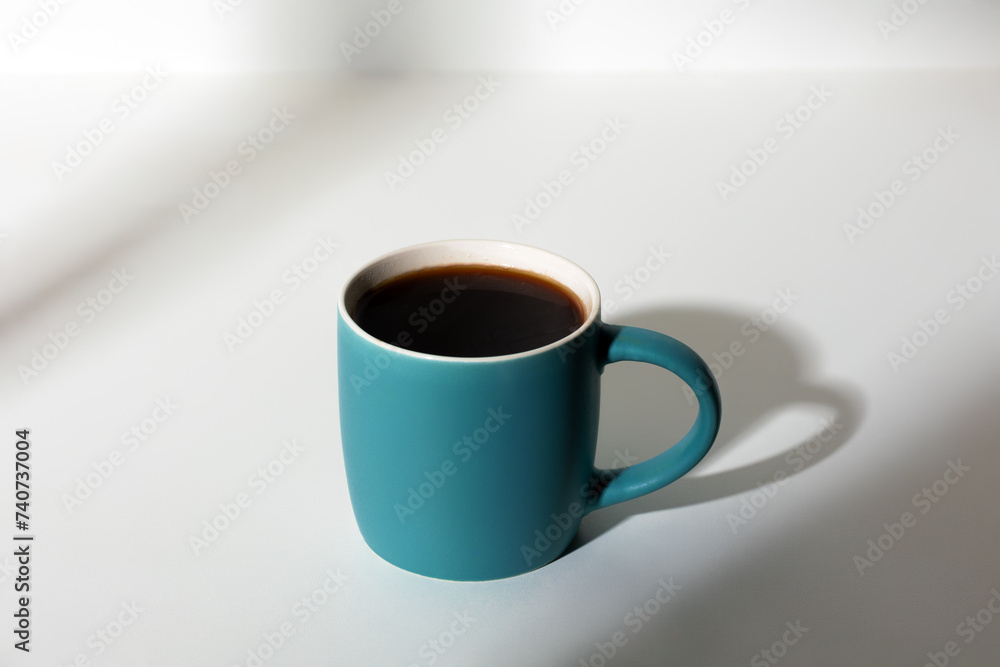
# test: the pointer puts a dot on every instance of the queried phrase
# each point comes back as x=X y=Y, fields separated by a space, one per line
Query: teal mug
x=477 y=468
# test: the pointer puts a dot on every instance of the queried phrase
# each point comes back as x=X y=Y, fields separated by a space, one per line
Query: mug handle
x=624 y=343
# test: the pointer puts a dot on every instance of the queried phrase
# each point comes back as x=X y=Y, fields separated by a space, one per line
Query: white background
x=856 y=297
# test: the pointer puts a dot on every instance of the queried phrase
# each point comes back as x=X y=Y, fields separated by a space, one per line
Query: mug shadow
x=773 y=372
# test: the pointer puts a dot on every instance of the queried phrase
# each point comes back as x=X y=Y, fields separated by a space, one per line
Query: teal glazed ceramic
x=480 y=468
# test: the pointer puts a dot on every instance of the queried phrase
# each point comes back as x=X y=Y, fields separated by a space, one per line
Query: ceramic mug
x=476 y=468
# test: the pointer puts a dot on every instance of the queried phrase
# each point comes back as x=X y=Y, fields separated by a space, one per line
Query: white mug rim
x=477 y=252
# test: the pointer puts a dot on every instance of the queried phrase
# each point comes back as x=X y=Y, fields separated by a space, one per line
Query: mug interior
x=472 y=252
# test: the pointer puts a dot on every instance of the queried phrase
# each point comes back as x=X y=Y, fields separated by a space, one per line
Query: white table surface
x=162 y=338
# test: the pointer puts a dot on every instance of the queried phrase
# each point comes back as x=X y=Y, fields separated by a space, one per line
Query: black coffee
x=469 y=311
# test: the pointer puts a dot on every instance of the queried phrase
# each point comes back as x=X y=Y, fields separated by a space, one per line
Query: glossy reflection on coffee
x=469 y=311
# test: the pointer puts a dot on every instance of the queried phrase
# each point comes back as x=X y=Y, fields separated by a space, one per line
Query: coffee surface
x=469 y=311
